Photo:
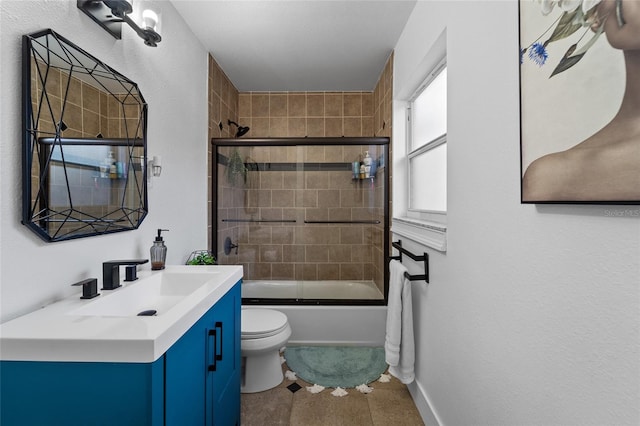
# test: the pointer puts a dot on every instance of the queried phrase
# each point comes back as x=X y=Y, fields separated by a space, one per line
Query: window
x=427 y=148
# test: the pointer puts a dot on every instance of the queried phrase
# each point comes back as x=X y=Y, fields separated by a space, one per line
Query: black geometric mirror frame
x=84 y=143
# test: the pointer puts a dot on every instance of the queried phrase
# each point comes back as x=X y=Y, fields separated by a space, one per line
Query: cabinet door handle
x=212 y=333
x=219 y=355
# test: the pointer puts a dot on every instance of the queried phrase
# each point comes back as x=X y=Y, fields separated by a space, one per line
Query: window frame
x=436 y=216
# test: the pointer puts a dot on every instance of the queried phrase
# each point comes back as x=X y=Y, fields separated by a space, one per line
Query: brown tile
x=333 y=154
x=217 y=78
x=367 y=126
x=271 y=180
x=278 y=127
x=283 y=271
x=260 y=235
x=91 y=123
x=340 y=253
x=351 y=271
x=306 y=198
x=72 y=116
x=270 y=253
x=290 y=181
x=282 y=235
x=315 y=127
x=352 y=104
x=263 y=199
x=244 y=105
x=316 y=180
x=248 y=253
x=317 y=254
x=314 y=154
x=271 y=407
x=325 y=409
x=277 y=105
x=259 y=127
x=393 y=407
x=292 y=254
x=351 y=198
x=340 y=214
x=309 y=271
x=333 y=105
x=329 y=198
x=353 y=126
x=282 y=198
x=297 y=104
x=315 y=104
x=316 y=235
x=351 y=235
x=319 y=214
x=259 y=105
x=297 y=127
x=267 y=213
x=330 y=271
x=259 y=271
x=75 y=93
x=333 y=127
x=367 y=104
x=361 y=253
x=224 y=90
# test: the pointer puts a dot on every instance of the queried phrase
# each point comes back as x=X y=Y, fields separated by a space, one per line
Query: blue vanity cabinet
x=179 y=388
x=202 y=369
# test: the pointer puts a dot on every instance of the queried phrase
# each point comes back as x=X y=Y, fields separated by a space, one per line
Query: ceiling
x=322 y=45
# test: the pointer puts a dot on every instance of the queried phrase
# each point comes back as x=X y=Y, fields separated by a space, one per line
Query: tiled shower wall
x=313 y=251
x=223 y=106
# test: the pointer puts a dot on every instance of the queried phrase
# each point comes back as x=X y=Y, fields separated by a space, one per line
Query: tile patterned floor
x=388 y=404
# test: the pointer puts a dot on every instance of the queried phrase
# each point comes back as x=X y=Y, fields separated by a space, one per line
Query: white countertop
x=53 y=334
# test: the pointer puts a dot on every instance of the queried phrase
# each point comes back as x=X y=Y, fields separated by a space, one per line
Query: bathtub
x=305 y=290
x=339 y=323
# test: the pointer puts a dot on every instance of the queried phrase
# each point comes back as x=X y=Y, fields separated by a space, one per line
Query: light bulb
x=149 y=19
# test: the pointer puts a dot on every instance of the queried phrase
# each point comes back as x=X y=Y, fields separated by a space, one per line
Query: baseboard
x=423 y=404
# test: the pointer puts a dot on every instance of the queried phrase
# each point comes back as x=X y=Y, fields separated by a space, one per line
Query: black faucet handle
x=89 y=288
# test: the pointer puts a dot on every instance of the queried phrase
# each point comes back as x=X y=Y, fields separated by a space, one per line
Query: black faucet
x=111 y=272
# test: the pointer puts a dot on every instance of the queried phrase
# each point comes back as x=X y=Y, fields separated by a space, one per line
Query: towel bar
x=424 y=258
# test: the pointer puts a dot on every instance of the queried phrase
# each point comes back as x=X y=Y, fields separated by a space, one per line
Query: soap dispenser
x=158 y=252
x=367 y=164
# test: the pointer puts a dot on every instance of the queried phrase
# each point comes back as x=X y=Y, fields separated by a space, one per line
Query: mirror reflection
x=84 y=143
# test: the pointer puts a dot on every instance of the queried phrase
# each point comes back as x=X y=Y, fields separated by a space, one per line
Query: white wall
x=173 y=80
x=532 y=316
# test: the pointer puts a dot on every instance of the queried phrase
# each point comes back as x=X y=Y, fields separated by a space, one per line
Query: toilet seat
x=262 y=323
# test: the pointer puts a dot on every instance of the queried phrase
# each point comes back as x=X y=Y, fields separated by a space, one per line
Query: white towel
x=399 y=344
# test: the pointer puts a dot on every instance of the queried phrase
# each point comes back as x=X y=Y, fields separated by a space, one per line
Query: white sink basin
x=107 y=328
x=158 y=292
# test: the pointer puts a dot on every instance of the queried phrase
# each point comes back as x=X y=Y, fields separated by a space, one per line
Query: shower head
x=242 y=130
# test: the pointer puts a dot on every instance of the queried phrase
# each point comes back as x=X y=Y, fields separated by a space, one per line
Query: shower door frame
x=307 y=141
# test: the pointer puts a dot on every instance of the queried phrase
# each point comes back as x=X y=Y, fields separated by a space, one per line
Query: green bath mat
x=336 y=366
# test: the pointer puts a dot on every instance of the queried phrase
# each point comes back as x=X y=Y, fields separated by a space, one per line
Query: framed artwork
x=580 y=101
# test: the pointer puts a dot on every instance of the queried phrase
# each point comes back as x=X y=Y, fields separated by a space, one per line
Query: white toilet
x=264 y=332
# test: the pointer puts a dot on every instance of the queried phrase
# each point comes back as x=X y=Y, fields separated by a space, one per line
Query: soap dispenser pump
x=158 y=252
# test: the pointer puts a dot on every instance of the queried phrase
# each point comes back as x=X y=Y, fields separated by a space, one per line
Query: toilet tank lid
x=259 y=321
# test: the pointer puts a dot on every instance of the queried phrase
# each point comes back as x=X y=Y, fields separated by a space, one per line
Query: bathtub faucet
x=228 y=245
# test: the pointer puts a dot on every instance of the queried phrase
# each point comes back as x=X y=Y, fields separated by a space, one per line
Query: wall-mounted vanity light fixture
x=110 y=14
x=155 y=166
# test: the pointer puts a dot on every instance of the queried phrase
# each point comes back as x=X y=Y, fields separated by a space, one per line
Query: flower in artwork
x=547 y=6
x=538 y=54
x=576 y=15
